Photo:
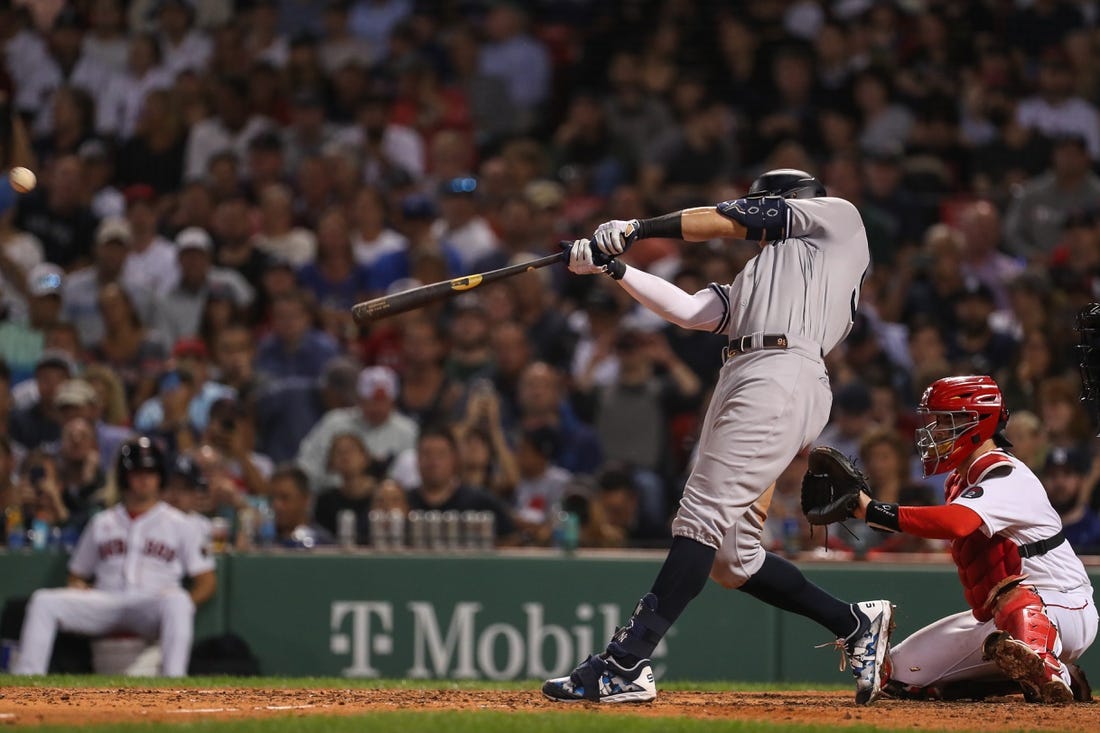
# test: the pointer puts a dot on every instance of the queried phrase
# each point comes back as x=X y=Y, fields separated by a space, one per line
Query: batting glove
x=580 y=259
x=615 y=237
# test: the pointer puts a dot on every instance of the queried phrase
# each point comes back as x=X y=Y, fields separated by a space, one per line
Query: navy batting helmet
x=138 y=454
x=185 y=467
x=789 y=183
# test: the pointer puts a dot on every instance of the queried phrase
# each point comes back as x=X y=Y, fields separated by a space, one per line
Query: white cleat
x=865 y=650
x=602 y=679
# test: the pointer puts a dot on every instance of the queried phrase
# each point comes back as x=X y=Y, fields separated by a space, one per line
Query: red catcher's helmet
x=960 y=413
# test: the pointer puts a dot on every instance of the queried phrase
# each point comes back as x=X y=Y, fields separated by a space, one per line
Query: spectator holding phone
x=79 y=471
x=231 y=432
x=76 y=398
x=39 y=492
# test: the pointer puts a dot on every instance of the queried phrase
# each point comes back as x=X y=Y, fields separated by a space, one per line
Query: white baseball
x=22 y=179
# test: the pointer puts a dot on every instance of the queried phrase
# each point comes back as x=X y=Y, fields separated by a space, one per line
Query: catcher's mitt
x=831 y=487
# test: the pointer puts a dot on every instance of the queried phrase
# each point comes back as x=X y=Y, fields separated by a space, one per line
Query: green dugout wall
x=516 y=616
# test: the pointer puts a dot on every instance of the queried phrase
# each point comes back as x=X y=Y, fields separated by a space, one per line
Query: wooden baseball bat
x=407 y=300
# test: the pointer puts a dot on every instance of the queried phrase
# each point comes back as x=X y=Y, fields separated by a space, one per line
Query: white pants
x=168 y=615
x=950 y=649
x=767 y=406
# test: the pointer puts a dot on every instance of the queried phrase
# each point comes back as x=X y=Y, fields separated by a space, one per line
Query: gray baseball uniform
x=790 y=304
x=770 y=403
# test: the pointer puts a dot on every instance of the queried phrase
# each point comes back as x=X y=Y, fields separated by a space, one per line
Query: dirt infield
x=101 y=705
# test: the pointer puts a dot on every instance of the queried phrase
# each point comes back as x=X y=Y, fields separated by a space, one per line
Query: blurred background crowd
x=221 y=181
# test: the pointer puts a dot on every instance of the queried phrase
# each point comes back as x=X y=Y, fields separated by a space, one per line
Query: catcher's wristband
x=883 y=516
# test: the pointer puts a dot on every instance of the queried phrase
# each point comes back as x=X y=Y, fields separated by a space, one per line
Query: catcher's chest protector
x=983 y=562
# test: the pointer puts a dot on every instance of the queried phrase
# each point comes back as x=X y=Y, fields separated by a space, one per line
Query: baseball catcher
x=1031 y=607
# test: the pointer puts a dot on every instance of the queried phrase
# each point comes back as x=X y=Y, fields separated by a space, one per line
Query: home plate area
x=35 y=705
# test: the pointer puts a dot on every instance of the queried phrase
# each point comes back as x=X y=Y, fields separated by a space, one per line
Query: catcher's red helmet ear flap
x=960 y=414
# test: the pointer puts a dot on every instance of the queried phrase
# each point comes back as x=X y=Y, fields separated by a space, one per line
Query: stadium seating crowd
x=220 y=181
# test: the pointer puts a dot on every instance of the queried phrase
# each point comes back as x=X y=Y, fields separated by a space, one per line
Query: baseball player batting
x=1003 y=532
x=790 y=305
x=138 y=552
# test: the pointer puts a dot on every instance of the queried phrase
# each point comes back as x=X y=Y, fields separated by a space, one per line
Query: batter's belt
x=760 y=341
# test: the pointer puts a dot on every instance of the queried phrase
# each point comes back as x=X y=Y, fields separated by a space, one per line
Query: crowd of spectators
x=221 y=181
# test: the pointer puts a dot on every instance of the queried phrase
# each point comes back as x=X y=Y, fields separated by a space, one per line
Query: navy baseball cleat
x=865 y=649
x=600 y=678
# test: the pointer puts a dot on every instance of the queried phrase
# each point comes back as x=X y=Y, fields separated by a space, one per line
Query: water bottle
x=377 y=521
x=55 y=540
x=267 y=525
x=792 y=536
x=471 y=529
x=246 y=528
x=487 y=524
x=347 y=529
x=219 y=535
x=13 y=526
x=452 y=530
x=433 y=523
x=557 y=524
x=40 y=535
x=571 y=531
x=417 y=539
x=396 y=529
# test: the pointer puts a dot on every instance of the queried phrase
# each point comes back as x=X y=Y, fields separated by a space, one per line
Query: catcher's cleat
x=600 y=678
x=1082 y=692
x=865 y=649
x=1040 y=679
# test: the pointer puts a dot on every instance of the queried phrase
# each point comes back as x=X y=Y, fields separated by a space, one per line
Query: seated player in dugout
x=1032 y=613
x=126 y=573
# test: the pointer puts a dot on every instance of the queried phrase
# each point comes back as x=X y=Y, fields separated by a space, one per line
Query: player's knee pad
x=765 y=218
x=1019 y=611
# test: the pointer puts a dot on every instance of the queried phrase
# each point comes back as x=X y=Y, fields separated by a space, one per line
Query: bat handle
x=598 y=257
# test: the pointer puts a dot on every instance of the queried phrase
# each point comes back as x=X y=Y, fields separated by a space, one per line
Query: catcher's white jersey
x=807 y=284
x=1015 y=505
x=149 y=553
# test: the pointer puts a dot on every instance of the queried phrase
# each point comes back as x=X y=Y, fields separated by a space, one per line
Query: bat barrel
x=390 y=305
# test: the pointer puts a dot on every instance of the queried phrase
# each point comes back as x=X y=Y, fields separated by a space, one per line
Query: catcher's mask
x=788 y=183
x=1088 y=331
x=959 y=413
